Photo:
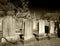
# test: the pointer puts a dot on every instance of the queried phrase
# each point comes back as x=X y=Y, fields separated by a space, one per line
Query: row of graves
x=21 y=26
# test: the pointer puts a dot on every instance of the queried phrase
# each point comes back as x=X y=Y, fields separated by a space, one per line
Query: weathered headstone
x=28 y=29
x=9 y=24
x=35 y=26
x=41 y=27
x=1 y=24
x=52 y=28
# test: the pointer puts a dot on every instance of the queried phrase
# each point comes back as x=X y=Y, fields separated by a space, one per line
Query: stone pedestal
x=28 y=30
x=41 y=27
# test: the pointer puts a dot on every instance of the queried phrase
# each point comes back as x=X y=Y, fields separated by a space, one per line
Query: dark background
x=51 y=4
x=45 y=4
x=39 y=4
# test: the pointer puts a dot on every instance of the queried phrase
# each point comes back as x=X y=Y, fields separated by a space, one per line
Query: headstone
x=35 y=26
x=41 y=27
x=9 y=24
x=52 y=27
x=28 y=29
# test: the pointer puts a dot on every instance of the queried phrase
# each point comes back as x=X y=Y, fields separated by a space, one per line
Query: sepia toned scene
x=27 y=23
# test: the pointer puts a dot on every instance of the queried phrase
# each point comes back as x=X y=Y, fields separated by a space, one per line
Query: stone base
x=42 y=36
x=11 y=39
x=29 y=42
x=28 y=38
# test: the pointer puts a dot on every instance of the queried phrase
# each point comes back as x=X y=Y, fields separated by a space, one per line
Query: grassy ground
x=43 y=42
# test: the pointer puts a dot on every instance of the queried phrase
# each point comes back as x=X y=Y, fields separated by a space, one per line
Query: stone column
x=41 y=27
x=28 y=29
x=51 y=27
x=9 y=24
